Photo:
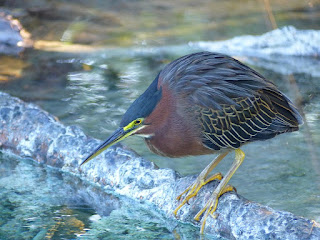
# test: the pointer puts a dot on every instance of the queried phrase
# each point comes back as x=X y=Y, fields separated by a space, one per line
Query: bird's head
x=134 y=120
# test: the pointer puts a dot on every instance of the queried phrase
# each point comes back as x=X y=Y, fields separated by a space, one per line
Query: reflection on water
x=127 y=23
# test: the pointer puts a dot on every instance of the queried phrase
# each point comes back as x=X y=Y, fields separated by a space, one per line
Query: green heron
x=206 y=103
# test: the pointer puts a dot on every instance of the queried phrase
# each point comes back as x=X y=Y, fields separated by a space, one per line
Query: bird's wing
x=234 y=103
x=237 y=123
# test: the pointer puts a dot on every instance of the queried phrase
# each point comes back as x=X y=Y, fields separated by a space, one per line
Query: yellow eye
x=137 y=122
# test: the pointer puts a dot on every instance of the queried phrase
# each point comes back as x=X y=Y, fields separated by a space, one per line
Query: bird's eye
x=137 y=122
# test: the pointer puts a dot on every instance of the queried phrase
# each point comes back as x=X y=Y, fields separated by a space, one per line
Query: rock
x=28 y=131
x=286 y=41
x=13 y=38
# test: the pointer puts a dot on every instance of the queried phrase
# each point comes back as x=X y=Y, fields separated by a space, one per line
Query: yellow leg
x=201 y=180
x=194 y=189
x=212 y=204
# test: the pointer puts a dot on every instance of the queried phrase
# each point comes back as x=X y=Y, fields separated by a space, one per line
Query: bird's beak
x=117 y=136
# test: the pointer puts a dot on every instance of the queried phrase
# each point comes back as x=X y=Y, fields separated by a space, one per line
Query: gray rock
x=28 y=131
x=13 y=38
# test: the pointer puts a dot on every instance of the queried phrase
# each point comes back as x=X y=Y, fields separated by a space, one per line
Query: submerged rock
x=28 y=131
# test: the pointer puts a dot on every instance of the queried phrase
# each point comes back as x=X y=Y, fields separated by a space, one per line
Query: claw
x=214 y=215
x=314 y=224
x=222 y=188
x=194 y=188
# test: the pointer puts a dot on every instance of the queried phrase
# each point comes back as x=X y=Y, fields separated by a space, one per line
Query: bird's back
x=233 y=104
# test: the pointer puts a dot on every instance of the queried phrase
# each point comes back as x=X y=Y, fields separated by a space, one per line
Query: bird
x=206 y=103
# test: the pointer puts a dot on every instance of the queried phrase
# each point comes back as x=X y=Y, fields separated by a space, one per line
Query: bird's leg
x=212 y=204
x=201 y=180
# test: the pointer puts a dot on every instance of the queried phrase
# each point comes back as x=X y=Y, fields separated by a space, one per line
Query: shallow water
x=43 y=203
x=35 y=202
x=94 y=90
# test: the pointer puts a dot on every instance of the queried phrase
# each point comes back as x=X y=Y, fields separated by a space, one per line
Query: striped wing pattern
x=250 y=119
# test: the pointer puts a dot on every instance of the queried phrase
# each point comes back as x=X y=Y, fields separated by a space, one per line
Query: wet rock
x=13 y=38
x=31 y=132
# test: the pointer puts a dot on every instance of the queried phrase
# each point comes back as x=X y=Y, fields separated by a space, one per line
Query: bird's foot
x=211 y=206
x=314 y=224
x=194 y=188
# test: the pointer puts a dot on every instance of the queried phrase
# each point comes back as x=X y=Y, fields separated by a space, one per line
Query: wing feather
x=234 y=104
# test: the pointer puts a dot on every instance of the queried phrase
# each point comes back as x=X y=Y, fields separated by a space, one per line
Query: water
x=43 y=203
x=282 y=173
x=94 y=90
x=36 y=203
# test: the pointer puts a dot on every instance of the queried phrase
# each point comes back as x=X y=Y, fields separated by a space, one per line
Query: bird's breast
x=176 y=138
x=176 y=145
x=172 y=129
